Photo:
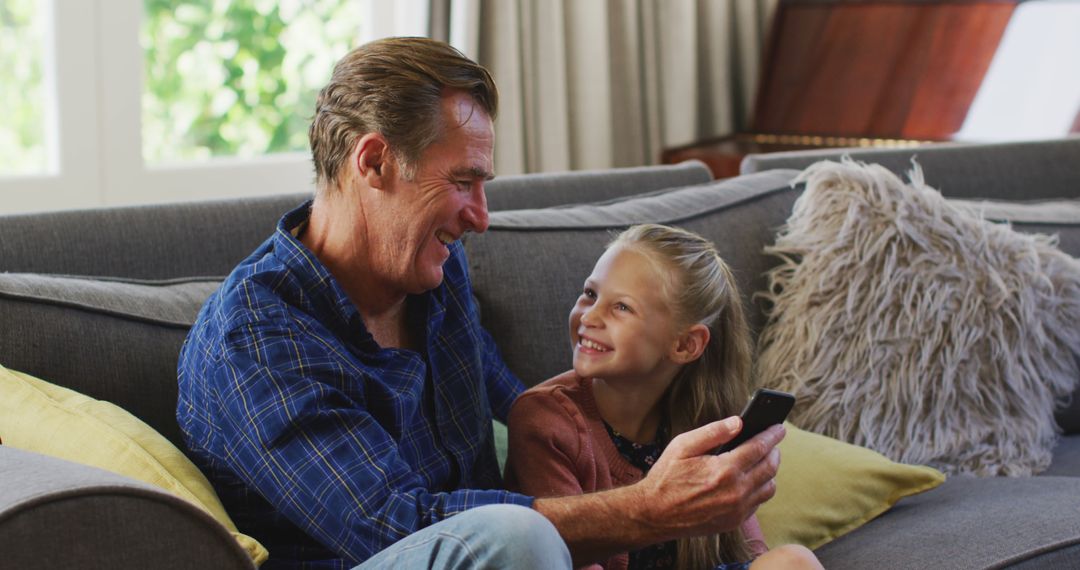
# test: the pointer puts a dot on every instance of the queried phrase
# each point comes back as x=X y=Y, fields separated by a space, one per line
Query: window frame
x=94 y=66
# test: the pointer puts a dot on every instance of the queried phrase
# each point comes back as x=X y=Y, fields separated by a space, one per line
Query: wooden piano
x=845 y=73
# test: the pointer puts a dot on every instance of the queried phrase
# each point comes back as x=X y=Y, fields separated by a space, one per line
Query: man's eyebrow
x=474 y=172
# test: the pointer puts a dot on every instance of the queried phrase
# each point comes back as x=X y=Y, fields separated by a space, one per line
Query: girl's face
x=621 y=327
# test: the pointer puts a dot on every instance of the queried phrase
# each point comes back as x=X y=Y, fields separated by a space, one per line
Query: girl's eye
x=588 y=293
x=622 y=307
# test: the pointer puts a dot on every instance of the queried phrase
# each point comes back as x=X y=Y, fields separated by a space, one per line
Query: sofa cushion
x=528 y=268
x=970 y=523
x=827 y=488
x=112 y=340
x=1059 y=218
x=912 y=327
x=41 y=417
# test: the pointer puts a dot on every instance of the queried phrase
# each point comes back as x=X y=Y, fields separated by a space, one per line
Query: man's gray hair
x=394 y=87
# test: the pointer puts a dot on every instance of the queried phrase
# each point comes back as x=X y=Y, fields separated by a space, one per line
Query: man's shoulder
x=257 y=292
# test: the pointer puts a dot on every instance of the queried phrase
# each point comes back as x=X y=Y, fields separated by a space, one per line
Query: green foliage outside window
x=237 y=77
x=22 y=101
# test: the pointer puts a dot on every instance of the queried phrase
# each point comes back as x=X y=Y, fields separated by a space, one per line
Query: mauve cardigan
x=558 y=446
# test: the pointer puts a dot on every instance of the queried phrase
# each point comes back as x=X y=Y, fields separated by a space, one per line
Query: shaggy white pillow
x=915 y=328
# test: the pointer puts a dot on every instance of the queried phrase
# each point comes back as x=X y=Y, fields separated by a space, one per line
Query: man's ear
x=370 y=158
x=691 y=344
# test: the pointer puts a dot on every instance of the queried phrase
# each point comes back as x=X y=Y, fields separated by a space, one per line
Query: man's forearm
x=599 y=525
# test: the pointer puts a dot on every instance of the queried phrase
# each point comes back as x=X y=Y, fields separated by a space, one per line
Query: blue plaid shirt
x=322 y=445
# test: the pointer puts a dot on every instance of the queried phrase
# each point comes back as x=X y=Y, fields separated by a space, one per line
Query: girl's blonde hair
x=701 y=289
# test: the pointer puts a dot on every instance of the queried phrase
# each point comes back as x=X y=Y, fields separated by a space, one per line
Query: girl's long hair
x=716 y=385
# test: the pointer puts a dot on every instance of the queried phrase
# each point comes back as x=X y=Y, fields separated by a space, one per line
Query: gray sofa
x=113 y=333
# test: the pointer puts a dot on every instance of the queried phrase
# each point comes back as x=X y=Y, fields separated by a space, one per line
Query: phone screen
x=766 y=408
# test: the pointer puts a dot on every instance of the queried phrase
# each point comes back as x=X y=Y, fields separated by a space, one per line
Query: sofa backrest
x=523 y=191
x=1028 y=170
x=208 y=238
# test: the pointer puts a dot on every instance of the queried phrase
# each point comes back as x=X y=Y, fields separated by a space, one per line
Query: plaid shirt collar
x=327 y=292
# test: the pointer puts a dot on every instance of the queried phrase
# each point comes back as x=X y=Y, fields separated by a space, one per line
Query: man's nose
x=475 y=212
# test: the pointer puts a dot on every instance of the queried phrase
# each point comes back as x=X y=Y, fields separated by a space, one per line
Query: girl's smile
x=589 y=346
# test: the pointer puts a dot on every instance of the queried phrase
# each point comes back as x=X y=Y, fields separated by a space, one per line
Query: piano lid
x=880 y=69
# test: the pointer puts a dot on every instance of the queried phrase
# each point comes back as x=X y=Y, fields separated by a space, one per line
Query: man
x=338 y=389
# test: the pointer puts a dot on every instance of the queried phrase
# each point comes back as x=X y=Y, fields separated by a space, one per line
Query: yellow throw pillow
x=48 y=419
x=827 y=488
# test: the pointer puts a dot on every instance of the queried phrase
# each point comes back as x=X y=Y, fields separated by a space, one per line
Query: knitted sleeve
x=545 y=442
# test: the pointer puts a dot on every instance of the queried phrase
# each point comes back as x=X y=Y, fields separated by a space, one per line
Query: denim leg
x=493 y=536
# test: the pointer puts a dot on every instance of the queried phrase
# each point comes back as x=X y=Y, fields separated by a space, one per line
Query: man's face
x=444 y=199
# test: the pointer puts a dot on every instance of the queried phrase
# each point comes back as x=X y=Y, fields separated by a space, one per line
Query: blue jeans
x=493 y=536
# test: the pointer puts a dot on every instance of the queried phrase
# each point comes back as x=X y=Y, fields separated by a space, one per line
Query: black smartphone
x=766 y=408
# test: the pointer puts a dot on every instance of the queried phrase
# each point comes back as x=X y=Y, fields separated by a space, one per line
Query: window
x=24 y=122
x=1031 y=90
x=237 y=78
x=140 y=101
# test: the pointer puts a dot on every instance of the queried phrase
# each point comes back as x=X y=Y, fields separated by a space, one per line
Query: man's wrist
x=598 y=525
x=639 y=507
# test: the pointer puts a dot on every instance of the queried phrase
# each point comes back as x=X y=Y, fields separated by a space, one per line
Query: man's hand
x=691 y=492
x=688 y=492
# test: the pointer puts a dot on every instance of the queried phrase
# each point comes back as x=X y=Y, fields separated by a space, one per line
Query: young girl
x=661 y=347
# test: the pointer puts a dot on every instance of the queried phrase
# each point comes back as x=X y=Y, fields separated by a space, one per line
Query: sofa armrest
x=59 y=514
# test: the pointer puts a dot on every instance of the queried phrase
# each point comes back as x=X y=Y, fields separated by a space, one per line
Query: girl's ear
x=371 y=157
x=691 y=344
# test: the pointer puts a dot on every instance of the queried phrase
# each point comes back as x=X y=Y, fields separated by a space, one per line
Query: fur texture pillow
x=912 y=327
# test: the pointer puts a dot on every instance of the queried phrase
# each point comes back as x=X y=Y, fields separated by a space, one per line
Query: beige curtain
x=588 y=84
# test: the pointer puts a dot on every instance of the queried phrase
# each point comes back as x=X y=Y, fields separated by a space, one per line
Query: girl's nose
x=589 y=317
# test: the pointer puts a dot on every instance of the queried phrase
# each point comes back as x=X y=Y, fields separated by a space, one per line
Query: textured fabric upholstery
x=111 y=340
x=1066 y=458
x=209 y=238
x=529 y=266
x=545 y=190
x=969 y=523
x=82 y=517
x=1030 y=170
x=144 y=242
x=1060 y=218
